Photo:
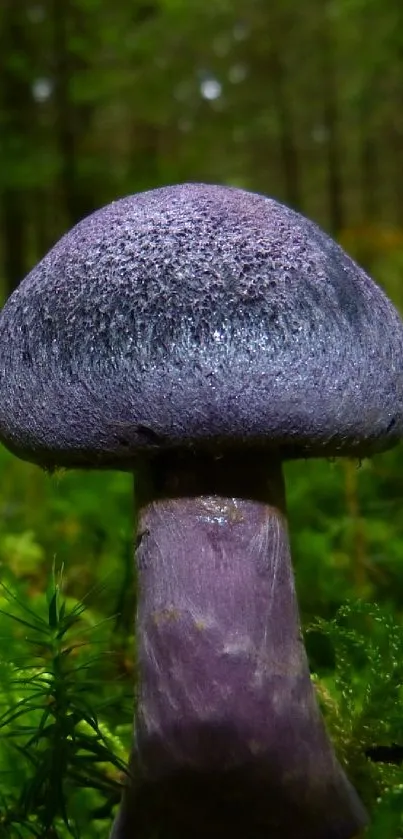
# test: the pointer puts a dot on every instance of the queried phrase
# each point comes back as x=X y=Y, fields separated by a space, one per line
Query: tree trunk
x=331 y=121
x=16 y=108
x=65 y=116
x=287 y=144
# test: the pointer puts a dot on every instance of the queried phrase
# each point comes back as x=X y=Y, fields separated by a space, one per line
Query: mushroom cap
x=203 y=317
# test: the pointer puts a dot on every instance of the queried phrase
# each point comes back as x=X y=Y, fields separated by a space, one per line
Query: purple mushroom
x=202 y=335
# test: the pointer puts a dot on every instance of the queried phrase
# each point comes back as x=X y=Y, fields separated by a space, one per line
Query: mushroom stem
x=229 y=738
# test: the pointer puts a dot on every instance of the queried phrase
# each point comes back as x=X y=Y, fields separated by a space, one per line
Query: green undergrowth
x=361 y=696
x=63 y=754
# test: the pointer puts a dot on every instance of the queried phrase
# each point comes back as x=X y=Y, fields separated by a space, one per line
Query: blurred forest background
x=98 y=99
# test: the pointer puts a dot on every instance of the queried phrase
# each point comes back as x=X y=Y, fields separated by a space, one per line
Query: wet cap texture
x=199 y=316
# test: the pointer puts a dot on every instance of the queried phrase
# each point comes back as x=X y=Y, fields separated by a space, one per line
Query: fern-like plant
x=56 y=754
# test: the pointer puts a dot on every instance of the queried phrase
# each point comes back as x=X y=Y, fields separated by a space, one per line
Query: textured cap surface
x=197 y=315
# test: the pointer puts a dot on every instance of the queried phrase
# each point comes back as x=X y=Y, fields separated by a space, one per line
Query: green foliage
x=61 y=764
x=362 y=699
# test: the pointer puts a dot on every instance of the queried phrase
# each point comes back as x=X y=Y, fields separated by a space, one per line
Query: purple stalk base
x=229 y=738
